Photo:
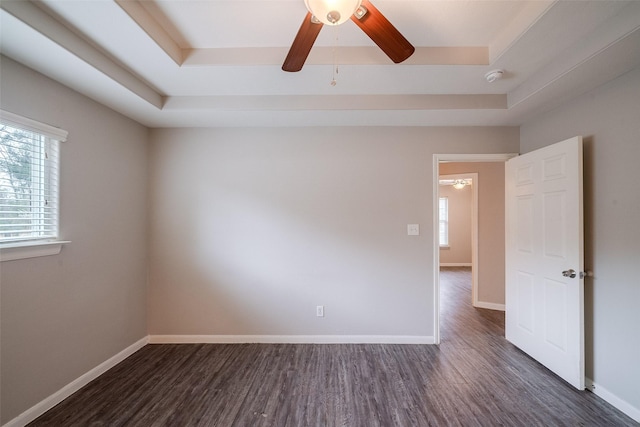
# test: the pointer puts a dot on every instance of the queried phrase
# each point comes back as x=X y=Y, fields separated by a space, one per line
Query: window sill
x=33 y=249
x=444 y=246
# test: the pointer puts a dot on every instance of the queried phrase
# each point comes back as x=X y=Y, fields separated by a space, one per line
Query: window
x=29 y=159
x=443 y=216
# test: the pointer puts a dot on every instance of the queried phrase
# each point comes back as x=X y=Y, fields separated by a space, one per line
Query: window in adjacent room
x=29 y=160
x=443 y=216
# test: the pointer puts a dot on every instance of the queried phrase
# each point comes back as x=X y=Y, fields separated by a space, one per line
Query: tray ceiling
x=217 y=63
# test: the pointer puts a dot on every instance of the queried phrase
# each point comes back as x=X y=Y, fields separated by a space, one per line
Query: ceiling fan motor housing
x=333 y=16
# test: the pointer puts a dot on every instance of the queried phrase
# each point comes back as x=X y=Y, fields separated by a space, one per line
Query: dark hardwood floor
x=473 y=378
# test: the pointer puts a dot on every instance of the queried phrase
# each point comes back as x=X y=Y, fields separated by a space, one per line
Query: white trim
x=52 y=28
x=489 y=305
x=139 y=14
x=436 y=251
x=474 y=158
x=612 y=399
x=474 y=237
x=30 y=249
x=34 y=126
x=40 y=408
x=290 y=339
x=456 y=264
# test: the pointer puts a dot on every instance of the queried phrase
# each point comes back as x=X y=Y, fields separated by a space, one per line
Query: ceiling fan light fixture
x=332 y=12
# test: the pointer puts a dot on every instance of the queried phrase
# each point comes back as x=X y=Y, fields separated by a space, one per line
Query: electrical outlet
x=320 y=311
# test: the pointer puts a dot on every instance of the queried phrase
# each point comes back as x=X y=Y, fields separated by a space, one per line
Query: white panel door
x=544 y=258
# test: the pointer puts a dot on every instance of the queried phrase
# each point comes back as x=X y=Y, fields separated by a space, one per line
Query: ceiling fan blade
x=383 y=33
x=302 y=44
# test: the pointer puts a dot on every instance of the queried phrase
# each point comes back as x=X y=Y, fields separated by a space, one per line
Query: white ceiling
x=217 y=63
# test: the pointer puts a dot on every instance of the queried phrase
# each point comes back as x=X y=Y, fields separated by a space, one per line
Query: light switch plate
x=413 y=229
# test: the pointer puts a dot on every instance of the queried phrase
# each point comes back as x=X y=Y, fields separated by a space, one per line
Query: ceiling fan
x=332 y=12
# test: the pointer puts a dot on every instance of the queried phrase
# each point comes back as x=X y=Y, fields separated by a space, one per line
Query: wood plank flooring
x=473 y=378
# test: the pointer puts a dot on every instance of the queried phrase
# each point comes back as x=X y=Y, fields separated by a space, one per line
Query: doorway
x=450 y=158
x=458 y=235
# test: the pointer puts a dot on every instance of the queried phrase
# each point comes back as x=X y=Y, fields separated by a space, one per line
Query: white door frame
x=437 y=158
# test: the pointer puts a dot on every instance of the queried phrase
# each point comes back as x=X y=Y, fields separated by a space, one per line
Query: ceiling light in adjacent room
x=459 y=184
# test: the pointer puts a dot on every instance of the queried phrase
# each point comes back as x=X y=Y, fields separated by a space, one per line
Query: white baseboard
x=291 y=339
x=455 y=264
x=614 y=400
x=40 y=408
x=489 y=305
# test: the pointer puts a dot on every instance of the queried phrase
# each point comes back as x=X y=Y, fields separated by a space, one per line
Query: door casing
x=437 y=159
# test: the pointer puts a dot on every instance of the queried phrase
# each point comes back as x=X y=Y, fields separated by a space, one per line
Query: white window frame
x=50 y=244
x=443 y=222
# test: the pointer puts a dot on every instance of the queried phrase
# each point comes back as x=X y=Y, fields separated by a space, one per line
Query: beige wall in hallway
x=459 y=248
x=491 y=217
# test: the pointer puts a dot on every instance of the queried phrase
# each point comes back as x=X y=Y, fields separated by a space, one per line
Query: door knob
x=571 y=273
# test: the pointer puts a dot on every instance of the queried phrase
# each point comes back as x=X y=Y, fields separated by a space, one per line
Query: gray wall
x=252 y=228
x=63 y=315
x=609 y=120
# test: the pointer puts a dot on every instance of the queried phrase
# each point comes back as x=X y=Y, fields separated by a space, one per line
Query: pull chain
x=335 y=57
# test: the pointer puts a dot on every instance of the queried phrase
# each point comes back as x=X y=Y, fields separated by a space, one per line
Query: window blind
x=29 y=181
